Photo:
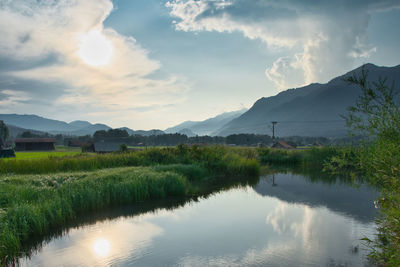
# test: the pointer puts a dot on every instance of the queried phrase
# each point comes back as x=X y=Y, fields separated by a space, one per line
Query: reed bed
x=307 y=157
x=214 y=158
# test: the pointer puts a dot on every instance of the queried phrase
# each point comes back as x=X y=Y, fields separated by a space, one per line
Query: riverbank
x=33 y=204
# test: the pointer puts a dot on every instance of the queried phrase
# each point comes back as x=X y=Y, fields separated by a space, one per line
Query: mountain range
x=209 y=126
x=17 y=124
x=312 y=110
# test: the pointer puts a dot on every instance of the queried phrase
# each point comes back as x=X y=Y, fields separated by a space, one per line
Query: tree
x=4 y=133
x=123 y=148
x=377 y=110
x=377 y=113
x=28 y=134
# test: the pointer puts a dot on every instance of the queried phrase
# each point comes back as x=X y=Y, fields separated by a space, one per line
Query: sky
x=151 y=64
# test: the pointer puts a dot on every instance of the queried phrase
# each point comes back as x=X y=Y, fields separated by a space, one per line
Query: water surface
x=284 y=220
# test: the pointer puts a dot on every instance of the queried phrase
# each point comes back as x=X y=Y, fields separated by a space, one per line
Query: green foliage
x=307 y=158
x=123 y=148
x=28 y=134
x=346 y=161
x=377 y=110
x=4 y=133
x=215 y=158
x=377 y=114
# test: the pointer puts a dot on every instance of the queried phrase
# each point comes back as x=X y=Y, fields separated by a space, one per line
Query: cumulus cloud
x=321 y=37
x=33 y=31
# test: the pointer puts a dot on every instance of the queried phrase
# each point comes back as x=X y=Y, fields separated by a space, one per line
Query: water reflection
x=357 y=202
x=256 y=225
x=101 y=247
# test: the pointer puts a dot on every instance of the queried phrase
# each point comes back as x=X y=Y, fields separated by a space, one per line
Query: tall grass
x=217 y=159
x=33 y=205
x=307 y=157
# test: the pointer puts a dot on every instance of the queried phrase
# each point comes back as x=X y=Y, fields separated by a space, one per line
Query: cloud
x=321 y=37
x=48 y=34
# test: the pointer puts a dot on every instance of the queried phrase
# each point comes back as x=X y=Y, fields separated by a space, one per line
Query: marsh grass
x=32 y=205
x=314 y=157
x=215 y=158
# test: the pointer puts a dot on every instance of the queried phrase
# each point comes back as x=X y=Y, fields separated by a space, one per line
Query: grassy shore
x=38 y=196
x=314 y=157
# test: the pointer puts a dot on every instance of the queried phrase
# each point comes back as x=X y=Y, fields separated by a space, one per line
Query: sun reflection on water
x=101 y=247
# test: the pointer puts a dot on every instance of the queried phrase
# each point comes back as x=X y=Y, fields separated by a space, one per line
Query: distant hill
x=187 y=132
x=15 y=131
x=80 y=124
x=37 y=123
x=87 y=130
x=207 y=127
x=40 y=125
x=142 y=132
x=313 y=110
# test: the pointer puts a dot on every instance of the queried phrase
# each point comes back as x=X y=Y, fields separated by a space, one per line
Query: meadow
x=60 y=151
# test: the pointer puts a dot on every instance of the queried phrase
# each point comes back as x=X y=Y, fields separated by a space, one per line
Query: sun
x=94 y=49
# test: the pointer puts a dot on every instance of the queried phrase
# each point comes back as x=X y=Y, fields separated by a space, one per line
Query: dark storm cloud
x=321 y=38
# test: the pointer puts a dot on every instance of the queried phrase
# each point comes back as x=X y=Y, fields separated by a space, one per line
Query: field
x=60 y=151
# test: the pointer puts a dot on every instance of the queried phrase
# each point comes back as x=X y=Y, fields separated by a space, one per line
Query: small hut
x=34 y=144
x=282 y=145
x=106 y=147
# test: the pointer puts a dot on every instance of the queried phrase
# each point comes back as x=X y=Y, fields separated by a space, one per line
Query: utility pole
x=273 y=130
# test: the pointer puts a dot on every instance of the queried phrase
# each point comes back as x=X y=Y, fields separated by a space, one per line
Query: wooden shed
x=34 y=144
x=282 y=145
x=106 y=147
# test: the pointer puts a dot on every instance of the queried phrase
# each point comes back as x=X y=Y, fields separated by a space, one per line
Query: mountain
x=80 y=124
x=89 y=130
x=206 y=127
x=312 y=110
x=39 y=125
x=142 y=132
x=16 y=131
x=187 y=132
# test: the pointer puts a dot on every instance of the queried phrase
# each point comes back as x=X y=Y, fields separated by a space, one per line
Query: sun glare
x=101 y=247
x=95 y=49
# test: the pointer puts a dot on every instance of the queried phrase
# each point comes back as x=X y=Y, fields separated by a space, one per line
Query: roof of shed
x=35 y=140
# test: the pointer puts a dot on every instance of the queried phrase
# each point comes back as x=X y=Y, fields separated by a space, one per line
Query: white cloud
x=321 y=39
x=34 y=30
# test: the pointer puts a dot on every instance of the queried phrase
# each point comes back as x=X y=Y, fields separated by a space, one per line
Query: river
x=284 y=219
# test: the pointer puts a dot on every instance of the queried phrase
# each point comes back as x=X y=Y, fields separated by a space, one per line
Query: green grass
x=32 y=205
x=314 y=157
x=40 y=195
x=44 y=154
x=217 y=159
x=60 y=151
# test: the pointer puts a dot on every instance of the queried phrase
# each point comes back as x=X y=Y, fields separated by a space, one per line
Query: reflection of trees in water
x=204 y=191
x=314 y=174
x=318 y=189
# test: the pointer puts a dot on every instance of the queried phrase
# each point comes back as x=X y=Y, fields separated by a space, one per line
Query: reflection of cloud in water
x=100 y=245
x=239 y=227
x=299 y=235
